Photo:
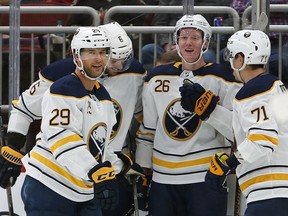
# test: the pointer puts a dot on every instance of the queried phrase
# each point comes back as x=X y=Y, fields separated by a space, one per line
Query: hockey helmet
x=89 y=37
x=121 y=46
x=254 y=44
x=198 y=22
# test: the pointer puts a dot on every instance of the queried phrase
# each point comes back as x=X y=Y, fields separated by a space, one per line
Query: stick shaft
x=8 y=189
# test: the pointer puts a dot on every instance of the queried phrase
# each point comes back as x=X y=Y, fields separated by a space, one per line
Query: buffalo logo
x=180 y=124
x=118 y=113
x=97 y=138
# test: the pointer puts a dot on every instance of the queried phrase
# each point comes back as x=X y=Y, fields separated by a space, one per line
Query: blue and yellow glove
x=129 y=167
x=10 y=165
x=106 y=191
x=216 y=175
x=195 y=98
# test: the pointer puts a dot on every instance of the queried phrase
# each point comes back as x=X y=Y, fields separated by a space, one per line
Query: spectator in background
x=276 y=18
x=168 y=58
x=164 y=19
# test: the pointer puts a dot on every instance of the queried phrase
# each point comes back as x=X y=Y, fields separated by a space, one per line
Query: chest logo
x=97 y=139
x=180 y=124
x=119 y=115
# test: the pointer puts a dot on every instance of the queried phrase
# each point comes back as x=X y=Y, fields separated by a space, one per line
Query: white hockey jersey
x=125 y=88
x=28 y=107
x=261 y=141
x=76 y=128
x=175 y=142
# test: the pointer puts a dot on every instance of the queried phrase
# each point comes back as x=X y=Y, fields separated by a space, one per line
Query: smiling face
x=190 y=43
x=94 y=61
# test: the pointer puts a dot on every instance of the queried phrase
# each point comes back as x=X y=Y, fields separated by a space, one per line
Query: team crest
x=119 y=114
x=97 y=138
x=180 y=124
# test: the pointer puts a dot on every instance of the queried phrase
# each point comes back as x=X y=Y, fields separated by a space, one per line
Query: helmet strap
x=200 y=55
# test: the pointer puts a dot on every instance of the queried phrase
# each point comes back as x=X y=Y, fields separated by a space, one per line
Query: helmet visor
x=91 y=53
x=227 y=55
x=120 y=65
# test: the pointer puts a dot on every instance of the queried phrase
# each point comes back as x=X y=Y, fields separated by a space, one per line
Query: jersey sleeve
x=138 y=111
x=221 y=117
x=28 y=107
x=146 y=132
x=255 y=117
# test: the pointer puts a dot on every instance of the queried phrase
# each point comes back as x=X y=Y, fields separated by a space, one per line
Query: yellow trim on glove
x=214 y=167
x=203 y=102
x=103 y=174
x=11 y=155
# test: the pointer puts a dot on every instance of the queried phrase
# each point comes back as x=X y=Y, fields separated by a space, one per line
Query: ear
x=206 y=44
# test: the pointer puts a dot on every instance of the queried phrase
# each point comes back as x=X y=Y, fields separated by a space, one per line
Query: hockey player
x=27 y=108
x=72 y=161
x=177 y=143
x=124 y=81
x=262 y=151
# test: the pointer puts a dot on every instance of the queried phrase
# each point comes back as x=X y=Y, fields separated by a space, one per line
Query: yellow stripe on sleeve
x=259 y=137
x=264 y=178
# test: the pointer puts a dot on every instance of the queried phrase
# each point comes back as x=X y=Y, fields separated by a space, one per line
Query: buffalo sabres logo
x=118 y=113
x=178 y=123
x=96 y=140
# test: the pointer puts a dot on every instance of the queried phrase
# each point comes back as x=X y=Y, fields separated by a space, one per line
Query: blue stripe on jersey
x=71 y=85
x=256 y=86
x=219 y=70
x=58 y=69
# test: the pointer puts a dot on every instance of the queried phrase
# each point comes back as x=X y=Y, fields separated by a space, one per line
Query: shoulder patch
x=257 y=85
x=135 y=67
x=168 y=69
x=219 y=70
x=58 y=69
x=69 y=85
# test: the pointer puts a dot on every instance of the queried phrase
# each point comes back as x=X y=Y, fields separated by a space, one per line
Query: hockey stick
x=262 y=22
x=8 y=189
x=237 y=200
x=131 y=147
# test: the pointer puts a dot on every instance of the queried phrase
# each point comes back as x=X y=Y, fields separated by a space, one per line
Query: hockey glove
x=106 y=192
x=129 y=167
x=217 y=173
x=10 y=166
x=196 y=99
x=143 y=185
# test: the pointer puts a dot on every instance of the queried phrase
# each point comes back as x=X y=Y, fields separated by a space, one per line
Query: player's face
x=116 y=65
x=94 y=61
x=190 y=44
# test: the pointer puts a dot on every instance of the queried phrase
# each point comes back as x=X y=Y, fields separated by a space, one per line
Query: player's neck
x=193 y=67
x=87 y=83
x=250 y=74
